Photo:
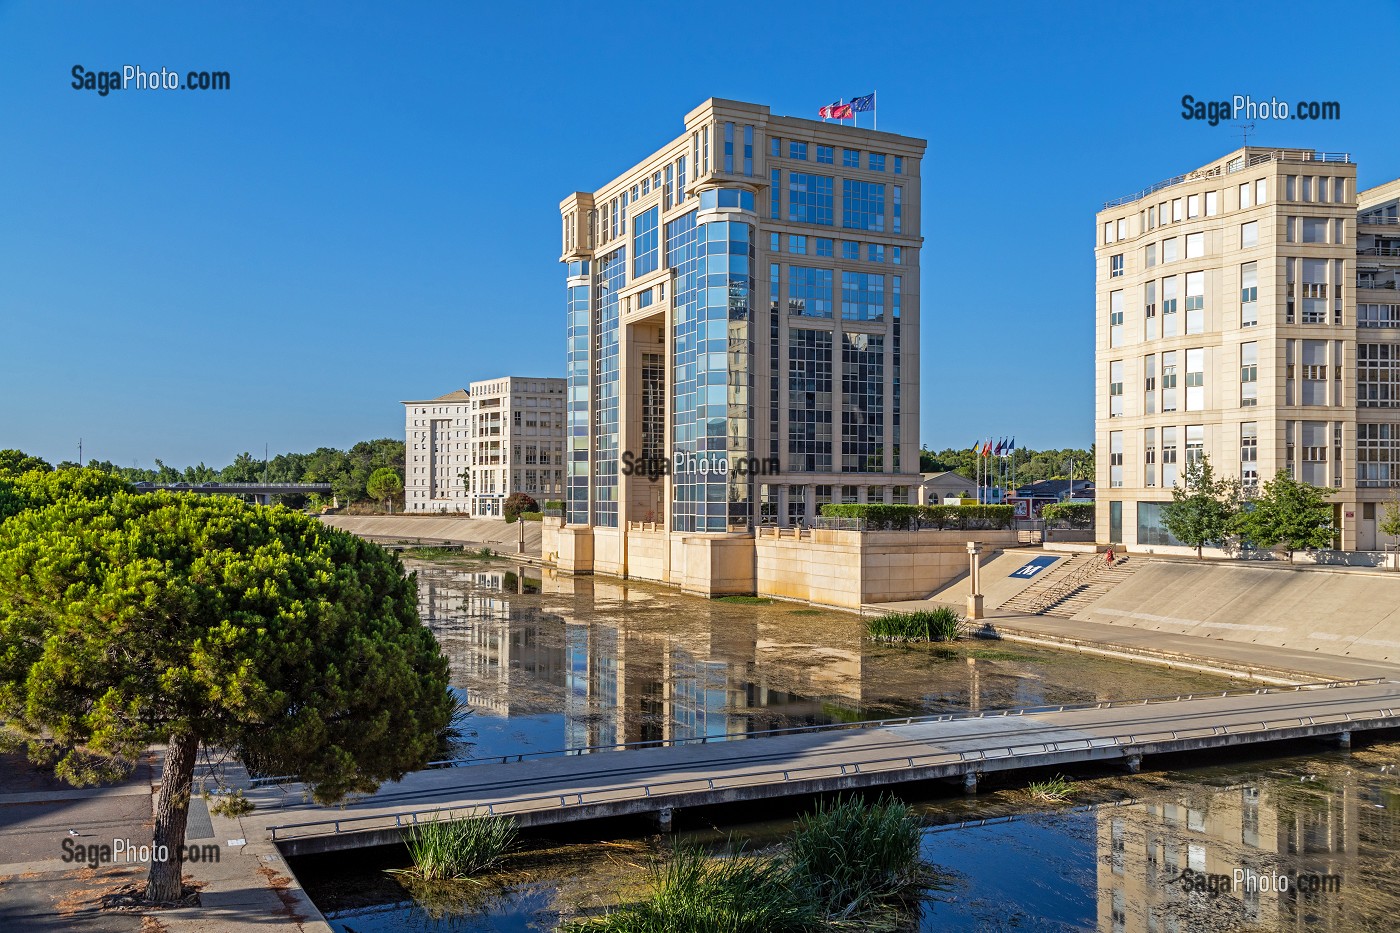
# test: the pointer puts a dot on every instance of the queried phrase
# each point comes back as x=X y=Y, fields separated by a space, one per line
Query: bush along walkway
x=849 y=865
x=939 y=624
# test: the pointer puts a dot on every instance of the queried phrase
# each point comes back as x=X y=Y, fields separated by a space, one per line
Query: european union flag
x=862 y=104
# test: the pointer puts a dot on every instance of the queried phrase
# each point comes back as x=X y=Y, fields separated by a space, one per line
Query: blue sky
x=370 y=214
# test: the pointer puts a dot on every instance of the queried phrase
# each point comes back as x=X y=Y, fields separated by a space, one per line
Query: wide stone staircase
x=1072 y=586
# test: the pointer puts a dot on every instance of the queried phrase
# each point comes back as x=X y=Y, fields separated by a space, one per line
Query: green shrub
x=532 y=516
x=516 y=503
x=881 y=517
x=1069 y=514
x=448 y=850
x=938 y=624
x=851 y=855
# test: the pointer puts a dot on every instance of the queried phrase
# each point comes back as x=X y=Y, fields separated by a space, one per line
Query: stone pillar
x=974 y=599
x=1344 y=739
x=970 y=782
x=1134 y=763
x=663 y=819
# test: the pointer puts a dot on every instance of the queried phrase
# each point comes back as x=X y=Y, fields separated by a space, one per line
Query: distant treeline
x=1031 y=465
x=346 y=471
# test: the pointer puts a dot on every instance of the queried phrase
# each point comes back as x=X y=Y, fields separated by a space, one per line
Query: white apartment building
x=467 y=451
x=1247 y=311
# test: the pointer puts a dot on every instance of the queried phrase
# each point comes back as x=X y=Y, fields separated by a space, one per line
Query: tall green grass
x=849 y=865
x=450 y=850
x=940 y=624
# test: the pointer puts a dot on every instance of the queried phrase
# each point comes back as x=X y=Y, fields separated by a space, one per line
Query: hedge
x=1069 y=514
x=880 y=517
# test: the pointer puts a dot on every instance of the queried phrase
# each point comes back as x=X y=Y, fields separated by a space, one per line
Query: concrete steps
x=1074 y=586
x=1079 y=599
x=1032 y=598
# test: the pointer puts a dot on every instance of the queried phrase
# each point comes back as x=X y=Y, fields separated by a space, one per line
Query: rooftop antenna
x=1245 y=129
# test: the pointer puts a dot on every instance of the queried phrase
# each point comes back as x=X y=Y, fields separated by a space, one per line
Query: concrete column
x=970 y=782
x=1133 y=763
x=1344 y=739
x=782 y=505
x=663 y=819
x=974 y=599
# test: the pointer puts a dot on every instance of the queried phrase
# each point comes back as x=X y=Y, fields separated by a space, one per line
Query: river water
x=548 y=663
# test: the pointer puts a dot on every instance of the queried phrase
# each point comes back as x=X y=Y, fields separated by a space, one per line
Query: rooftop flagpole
x=875 y=107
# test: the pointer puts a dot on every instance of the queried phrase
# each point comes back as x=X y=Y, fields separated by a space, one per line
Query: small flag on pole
x=863 y=103
x=987 y=450
x=976 y=445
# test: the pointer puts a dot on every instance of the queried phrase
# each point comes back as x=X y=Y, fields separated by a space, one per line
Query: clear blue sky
x=370 y=214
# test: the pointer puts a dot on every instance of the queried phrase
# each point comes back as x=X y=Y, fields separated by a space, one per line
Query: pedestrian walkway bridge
x=546 y=788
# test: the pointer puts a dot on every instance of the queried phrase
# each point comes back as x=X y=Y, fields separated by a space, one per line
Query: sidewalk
x=1260 y=662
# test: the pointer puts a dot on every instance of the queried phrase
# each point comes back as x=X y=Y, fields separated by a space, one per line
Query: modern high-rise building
x=469 y=450
x=743 y=328
x=1247 y=311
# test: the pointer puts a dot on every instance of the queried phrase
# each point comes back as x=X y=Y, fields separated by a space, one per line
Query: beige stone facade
x=1247 y=311
x=743 y=340
x=470 y=449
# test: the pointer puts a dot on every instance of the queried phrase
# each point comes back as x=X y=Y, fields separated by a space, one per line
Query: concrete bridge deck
x=545 y=790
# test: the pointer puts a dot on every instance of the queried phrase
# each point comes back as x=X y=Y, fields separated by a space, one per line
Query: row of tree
x=1219 y=511
x=348 y=471
x=203 y=622
x=1027 y=466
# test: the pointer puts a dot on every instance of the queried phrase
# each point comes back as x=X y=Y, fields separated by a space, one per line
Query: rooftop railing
x=1238 y=165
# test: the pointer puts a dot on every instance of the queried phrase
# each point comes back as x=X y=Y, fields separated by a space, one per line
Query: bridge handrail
x=576 y=798
x=872 y=724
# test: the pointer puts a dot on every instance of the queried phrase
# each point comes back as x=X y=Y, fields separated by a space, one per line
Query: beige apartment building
x=1247 y=311
x=743 y=336
x=469 y=450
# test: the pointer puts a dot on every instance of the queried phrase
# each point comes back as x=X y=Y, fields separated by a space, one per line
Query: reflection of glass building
x=1259 y=829
x=743 y=312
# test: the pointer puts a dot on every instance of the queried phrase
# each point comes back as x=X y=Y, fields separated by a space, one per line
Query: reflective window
x=863 y=403
x=862 y=296
x=797 y=150
x=809 y=291
x=823 y=246
x=850 y=158
x=811 y=199
x=863 y=205
x=644 y=242
x=877 y=161
x=809 y=400
x=850 y=249
x=825 y=155
x=875 y=252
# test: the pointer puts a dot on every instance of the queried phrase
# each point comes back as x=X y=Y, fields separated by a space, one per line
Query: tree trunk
x=166 y=879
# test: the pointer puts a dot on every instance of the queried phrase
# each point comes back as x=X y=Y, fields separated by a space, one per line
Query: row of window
x=1315 y=189
x=811 y=199
x=803 y=245
x=798 y=150
x=810 y=293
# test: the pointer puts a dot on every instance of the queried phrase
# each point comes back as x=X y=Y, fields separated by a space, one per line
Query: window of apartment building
x=1313 y=440
x=775 y=194
x=1115 y=265
x=775 y=147
x=823 y=246
x=1305 y=182
x=1107 y=232
x=1339 y=233
x=1212 y=203
x=1195 y=443
x=1169 y=380
x=899 y=165
x=1176 y=209
x=1245 y=192
x=897 y=218
x=1261 y=190
x=1115 y=389
x=797 y=150
x=877 y=161
x=1169 y=289
x=850 y=158
x=797 y=244
x=1249 y=294
x=1169 y=249
x=862 y=296
x=862 y=205
x=1195 y=245
x=1195 y=302
x=1315 y=229
x=774 y=242
x=825 y=155
x=1122 y=228
x=875 y=252
x=1149 y=255
x=1378 y=375
x=1249 y=234
x=809 y=291
x=1149 y=384
x=1115 y=459
x=1193 y=206
x=811 y=199
x=896 y=255
x=1169 y=456
x=1313 y=388
x=1290 y=188
x=1151 y=325
x=1314 y=291
x=1249 y=454
x=680 y=180
x=748 y=152
x=515 y=421
x=1195 y=379
x=1377 y=315
x=1115 y=318
x=1152 y=218
x=669 y=194
x=1249 y=374
x=899 y=495
x=1323 y=186
x=1149 y=457
x=1377 y=455
x=850 y=249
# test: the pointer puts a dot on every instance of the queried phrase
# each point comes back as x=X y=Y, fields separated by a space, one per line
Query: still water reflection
x=550 y=662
